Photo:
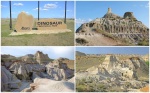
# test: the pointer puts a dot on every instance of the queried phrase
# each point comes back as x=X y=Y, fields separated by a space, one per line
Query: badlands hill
x=111 y=73
x=27 y=73
x=112 y=29
x=80 y=53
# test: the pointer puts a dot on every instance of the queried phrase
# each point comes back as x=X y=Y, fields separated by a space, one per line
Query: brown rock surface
x=24 y=22
x=41 y=58
x=50 y=24
x=117 y=30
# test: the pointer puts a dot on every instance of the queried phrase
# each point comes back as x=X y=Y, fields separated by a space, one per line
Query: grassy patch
x=85 y=62
x=105 y=34
x=70 y=63
x=147 y=62
x=143 y=42
x=60 y=39
x=81 y=41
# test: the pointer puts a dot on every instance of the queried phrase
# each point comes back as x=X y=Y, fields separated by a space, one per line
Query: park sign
x=50 y=24
x=25 y=23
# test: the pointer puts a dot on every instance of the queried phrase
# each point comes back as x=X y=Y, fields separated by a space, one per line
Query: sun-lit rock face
x=18 y=72
x=126 y=28
x=41 y=58
x=59 y=70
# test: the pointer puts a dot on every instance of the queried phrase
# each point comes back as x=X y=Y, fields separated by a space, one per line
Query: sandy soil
x=47 y=85
x=98 y=40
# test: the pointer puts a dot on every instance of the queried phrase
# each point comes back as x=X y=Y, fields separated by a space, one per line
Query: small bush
x=81 y=41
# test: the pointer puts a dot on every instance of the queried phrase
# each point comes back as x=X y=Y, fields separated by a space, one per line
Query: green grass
x=85 y=62
x=60 y=39
x=144 y=42
x=147 y=62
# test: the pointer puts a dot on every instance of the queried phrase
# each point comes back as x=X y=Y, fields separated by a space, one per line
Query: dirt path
x=98 y=40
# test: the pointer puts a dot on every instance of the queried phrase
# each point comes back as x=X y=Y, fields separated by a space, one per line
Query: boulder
x=24 y=71
x=8 y=80
x=41 y=58
x=59 y=70
x=24 y=22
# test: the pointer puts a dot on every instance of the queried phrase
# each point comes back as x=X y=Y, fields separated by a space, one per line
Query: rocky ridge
x=17 y=70
x=116 y=28
x=116 y=74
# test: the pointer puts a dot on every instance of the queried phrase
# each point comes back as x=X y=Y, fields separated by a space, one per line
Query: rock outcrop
x=124 y=72
x=47 y=85
x=18 y=72
x=59 y=70
x=80 y=53
x=41 y=58
x=29 y=58
x=127 y=29
x=24 y=71
x=8 y=81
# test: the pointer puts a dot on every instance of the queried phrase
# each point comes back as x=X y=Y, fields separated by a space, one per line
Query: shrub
x=81 y=41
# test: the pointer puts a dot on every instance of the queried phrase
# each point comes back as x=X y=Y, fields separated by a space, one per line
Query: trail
x=98 y=40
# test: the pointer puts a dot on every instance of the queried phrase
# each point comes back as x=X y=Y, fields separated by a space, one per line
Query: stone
x=59 y=70
x=41 y=58
x=24 y=22
x=128 y=15
x=47 y=85
x=50 y=24
x=8 y=80
x=24 y=71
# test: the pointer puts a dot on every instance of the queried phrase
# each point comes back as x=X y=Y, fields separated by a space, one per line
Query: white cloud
x=45 y=9
x=50 y=6
x=41 y=9
x=2 y=6
x=69 y=10
x=81 y=21
x=18 y=4
x=142 y=5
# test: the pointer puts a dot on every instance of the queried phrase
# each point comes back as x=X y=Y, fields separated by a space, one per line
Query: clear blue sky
x=53 y=52
x=48 y=9
x=87 y=11
x=114 y=50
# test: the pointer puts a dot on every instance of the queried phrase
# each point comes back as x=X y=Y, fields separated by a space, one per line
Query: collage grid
x=74 y=46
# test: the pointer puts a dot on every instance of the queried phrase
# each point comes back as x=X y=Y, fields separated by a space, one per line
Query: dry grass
x=85 y=62
x=70 y=63
x=60 y=39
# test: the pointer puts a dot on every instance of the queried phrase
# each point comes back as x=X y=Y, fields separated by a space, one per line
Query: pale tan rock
x=50 y=24
x=24 y=22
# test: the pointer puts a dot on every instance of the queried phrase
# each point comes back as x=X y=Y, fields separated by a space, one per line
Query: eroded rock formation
x=126 y=28
x=40 y=57
x=124 y=72
x=18 y=72
x=59 y=70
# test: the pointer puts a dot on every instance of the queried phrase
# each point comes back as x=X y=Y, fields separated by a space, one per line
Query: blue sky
x=114 y=50
x=87 y=11
x=53 y=52
x=48 y=9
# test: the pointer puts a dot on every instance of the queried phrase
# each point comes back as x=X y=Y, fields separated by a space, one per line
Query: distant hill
x=80 y=53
